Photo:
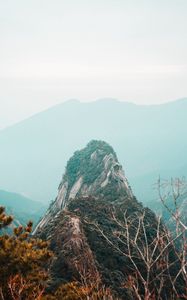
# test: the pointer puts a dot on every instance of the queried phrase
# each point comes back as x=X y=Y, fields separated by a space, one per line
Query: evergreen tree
x=23 y=261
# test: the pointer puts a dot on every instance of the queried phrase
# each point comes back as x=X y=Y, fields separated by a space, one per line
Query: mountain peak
x=94 y=192
x=93 y=171
x=86 y=162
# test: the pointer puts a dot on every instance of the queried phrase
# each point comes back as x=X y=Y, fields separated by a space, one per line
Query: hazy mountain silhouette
x=22 y=208
x=149 y=140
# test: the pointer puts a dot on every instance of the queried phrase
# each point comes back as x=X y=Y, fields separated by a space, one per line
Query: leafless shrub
x=157 y=261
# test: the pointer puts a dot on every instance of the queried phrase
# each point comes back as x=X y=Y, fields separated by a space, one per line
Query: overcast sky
x=54 y=50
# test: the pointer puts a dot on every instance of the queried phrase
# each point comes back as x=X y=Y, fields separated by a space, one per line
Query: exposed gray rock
x=111 y=171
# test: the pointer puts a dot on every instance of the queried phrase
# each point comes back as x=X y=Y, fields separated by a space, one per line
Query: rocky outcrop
x=100 y=173
x=93 y=188
x=74 y=257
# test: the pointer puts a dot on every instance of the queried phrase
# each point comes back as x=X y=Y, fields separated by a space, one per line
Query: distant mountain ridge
x=148 y=140
x=22 y=208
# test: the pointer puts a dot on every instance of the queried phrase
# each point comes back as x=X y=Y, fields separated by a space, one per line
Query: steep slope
x=35 y=151
x=94 y=171
x=94 y=193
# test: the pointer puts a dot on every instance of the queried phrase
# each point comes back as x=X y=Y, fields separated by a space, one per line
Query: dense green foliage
x=82 y=164
x=105 y=229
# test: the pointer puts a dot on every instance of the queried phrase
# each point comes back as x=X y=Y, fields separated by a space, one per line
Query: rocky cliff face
x=93 y=188
x=93 y=171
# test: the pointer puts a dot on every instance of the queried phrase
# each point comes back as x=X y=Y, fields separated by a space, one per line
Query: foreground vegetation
x=24 y=262
x=158 y=264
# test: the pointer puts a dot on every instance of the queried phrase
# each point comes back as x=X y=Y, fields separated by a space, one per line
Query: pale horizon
x=134 y=51
x=29 y=115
